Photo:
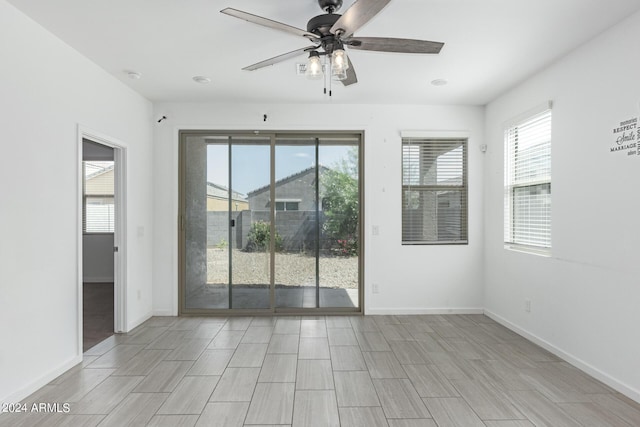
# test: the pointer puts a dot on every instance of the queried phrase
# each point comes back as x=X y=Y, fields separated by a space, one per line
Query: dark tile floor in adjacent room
x=454 y=370
x=97 y=313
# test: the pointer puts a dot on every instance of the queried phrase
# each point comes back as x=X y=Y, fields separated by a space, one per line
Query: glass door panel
x=206 y=215
x=251 y=223
x=295 y=222
x=340 y=223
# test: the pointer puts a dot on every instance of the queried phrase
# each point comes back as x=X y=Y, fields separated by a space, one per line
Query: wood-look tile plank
x=145 y=335
x=429 y=381
x=355 y=388
x=237 y=324
x=383 y=364
x=279 y=368
x=236 y=385
x=211 y=362
x=223 y=414
x=420 y=422
x=372 y=341
x=190 y=396
x=487 y=401
x=592 y=415
x=508 y=423
x=341 y=336
x=452 y=412
x=173 y=421
x=364 y=324
x=107 y=395
x=338 y=322
x=164 y=377
x=226 y=339
x=287 y=326
x=314 y=348
x=272 y=403
x=540 y=410
x=314 y=375
x=169 y=340
x=363 y=417
x=74 y=387
x=257 y=335
x=142 y=363
x=399 y=399
x=395 y=332
x=409 y=353
x=135 y=409
x=283 y=344
x=315 y=408
x=189 y=349
x=117 y=356
x=205 y=331
x=347 y=358
x=622 y=406
x=313 y=328
x=248 y=356
x=186 y=323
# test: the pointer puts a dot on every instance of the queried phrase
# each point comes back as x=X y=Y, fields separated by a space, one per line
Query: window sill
x=543 y=252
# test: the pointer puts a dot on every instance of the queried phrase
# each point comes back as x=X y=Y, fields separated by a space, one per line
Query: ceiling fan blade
x=279 y=58
x=269 y=23
x=385 y=44
x=356 y=16
x=351 y=75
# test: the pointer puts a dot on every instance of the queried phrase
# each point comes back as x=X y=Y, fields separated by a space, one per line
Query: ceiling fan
x=329 y=34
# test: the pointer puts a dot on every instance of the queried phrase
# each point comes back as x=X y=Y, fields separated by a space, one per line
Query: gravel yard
x=292 y=269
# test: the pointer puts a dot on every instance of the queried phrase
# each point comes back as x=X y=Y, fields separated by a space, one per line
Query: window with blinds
x=527 y=190
x=434 y=191
x=98 y=210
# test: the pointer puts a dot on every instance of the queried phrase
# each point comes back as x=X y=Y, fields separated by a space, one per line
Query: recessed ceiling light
x=134 y=75
x=439 y=82
x=203 y=80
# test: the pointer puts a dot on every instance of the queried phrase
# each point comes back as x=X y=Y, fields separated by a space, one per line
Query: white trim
x=526 y=115
x=43 y=380
x=401 y=311
x=578 y=363
x=433 y=134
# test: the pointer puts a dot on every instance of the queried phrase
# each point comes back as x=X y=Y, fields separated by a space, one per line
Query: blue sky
x=251 y=163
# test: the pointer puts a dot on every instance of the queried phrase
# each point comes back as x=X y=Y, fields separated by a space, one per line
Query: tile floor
x=455 y=370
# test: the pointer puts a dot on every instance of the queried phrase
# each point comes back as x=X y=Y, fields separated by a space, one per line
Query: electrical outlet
x=376 y=288
x=527 y=305
x=375 y=230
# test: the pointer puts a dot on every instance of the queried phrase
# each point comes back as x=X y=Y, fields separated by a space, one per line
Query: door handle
x=115 y=249
x=233 y=222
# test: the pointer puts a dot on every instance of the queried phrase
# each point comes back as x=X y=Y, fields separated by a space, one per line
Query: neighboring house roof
x=289 y=178
x=98 y=172
x=215 y=190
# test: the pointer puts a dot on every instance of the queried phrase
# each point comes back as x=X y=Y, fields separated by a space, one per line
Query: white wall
x=412 y=279
x=585 y=298
x=46 y=90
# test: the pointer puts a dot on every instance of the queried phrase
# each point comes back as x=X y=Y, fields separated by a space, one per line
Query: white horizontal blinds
x=98 y=207
x=434 y=190
x=528 y=182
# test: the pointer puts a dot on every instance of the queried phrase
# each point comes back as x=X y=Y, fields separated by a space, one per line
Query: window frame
x=513 y=183
x=463 y=188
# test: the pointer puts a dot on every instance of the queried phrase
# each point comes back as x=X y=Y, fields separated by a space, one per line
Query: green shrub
x=259 y=237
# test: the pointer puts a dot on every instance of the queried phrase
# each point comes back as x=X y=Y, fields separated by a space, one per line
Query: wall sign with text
x=625 y=138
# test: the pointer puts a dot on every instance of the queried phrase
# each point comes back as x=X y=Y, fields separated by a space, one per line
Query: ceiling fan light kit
x=330 y=33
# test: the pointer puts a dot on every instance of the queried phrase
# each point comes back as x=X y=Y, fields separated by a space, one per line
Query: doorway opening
x=270 y=223
x=101 y=279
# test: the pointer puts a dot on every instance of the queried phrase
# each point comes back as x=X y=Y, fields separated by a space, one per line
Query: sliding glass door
x=270 y=223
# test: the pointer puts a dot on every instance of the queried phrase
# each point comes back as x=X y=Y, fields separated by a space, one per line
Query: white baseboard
x=167 y=312
x=139 y=321
x=401 y=311
x=578 y=363
x=45 y=379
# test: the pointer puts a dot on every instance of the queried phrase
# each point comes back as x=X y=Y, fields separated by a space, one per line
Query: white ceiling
x=490 y=45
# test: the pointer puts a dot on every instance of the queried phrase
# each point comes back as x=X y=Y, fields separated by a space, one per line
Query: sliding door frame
x=273 y=310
